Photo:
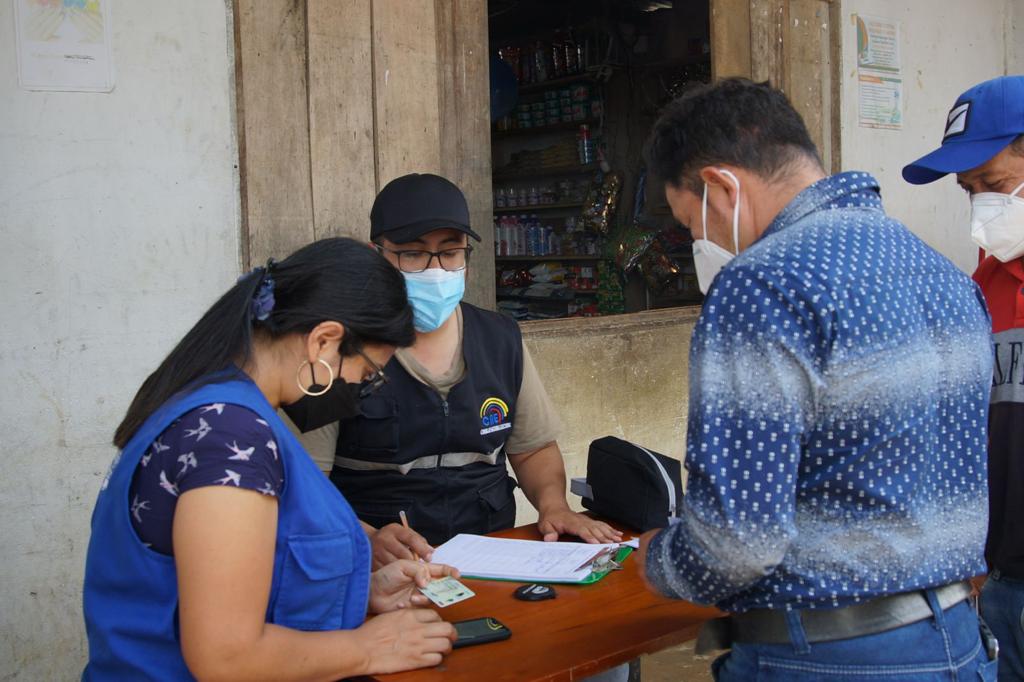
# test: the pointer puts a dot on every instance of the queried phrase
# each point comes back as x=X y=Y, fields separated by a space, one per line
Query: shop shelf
x=571 y=126
x=539 y=207
x=509 y=259
x=548 y=299
x=553 y=171
x=586 y=76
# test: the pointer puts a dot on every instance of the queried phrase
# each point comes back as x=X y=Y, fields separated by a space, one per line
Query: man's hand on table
x=564 y=521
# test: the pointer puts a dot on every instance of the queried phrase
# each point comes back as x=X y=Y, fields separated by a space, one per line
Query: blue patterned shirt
x=839 y=384
x=219 y=444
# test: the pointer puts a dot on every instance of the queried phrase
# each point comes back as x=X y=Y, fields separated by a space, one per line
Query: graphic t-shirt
x=1003 y=286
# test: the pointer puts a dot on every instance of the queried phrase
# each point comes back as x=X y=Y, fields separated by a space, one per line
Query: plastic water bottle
x=529 y=247
x=510 y=234
x=554 y=246
x=585 y=145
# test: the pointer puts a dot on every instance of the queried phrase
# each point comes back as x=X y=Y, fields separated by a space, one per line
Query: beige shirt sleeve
x=321 y=443
x=535 y=423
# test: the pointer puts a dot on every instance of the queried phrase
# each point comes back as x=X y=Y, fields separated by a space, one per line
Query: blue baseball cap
x=984 y=120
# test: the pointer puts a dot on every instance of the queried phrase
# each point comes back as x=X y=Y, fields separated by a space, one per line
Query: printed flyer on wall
x=879 y=74
x=64 y=45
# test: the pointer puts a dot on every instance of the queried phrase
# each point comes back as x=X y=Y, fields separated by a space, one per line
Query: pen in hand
x=405 y=524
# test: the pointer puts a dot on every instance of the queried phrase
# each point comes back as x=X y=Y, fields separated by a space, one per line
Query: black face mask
x=313 y=411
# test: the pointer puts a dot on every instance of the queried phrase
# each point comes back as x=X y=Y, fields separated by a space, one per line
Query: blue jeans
x=946 y=647
x=1002 y=607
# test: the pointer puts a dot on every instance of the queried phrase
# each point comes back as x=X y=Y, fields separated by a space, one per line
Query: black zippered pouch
x=633 y=485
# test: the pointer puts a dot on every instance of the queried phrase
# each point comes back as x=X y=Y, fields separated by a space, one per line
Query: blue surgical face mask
x=434 y=293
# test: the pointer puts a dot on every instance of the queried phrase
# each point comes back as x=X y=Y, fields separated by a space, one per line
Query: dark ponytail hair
x=335 y=279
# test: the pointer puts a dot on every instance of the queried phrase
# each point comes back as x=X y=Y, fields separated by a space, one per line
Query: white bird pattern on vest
x=241 y=454
x=232 y=477
x=218 y=444
x=200 y=431
x=187 y=460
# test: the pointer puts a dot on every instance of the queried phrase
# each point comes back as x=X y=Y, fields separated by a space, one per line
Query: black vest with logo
x=442 y=461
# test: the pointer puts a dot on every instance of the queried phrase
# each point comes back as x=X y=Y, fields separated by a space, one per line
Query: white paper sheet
x=64 y=45
x=879 y=73
x=526 y=560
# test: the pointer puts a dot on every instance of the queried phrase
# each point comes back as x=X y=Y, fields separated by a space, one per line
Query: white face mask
x=997 y=223
x=709 y=257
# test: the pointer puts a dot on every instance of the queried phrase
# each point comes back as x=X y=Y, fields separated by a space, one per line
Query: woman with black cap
x=218 y=548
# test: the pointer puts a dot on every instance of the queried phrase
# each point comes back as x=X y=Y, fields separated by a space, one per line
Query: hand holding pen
x=398 y=541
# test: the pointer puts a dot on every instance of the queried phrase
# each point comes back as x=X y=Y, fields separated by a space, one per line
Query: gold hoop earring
x=312 y=375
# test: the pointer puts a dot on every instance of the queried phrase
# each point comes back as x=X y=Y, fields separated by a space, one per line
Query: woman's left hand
x=394 y=586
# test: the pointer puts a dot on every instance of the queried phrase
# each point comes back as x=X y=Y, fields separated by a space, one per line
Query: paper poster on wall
x=879 y=73
x=880 y=98
x=64 y=45
x=878 y=44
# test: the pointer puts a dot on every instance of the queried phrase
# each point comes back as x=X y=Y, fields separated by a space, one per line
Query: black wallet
x=633 y=485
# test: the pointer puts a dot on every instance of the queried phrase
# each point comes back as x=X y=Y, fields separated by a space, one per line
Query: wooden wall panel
x=405 y=88
x=272 y=56
x=835 y=54
x=338 y=97
x=341 y=127
x=768 y=25
x=794 y=45
x=465 y=137
x=730 y=38
x=808 y=67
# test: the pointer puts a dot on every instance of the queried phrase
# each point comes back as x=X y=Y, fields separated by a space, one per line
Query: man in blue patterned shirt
x=839 y=382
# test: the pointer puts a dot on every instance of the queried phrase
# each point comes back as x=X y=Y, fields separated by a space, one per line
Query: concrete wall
x=1015 y=37
x=118 y=226
x=617 y=376
x=947 y=46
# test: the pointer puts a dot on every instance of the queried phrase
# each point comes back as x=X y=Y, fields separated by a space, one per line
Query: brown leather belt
x=768 y=626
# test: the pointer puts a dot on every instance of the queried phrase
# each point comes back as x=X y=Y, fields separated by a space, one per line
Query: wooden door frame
x=335 y=98
x=788 y=43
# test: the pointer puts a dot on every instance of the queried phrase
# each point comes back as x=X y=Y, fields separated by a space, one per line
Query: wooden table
x=584 y=630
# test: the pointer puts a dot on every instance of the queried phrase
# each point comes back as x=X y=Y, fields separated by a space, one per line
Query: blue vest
x=441 y=461
x=321 y=560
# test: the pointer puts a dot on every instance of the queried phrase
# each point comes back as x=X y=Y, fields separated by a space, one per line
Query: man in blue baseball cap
x=984 y=145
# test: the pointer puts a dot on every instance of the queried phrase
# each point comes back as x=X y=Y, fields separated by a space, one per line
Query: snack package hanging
x=601 y=202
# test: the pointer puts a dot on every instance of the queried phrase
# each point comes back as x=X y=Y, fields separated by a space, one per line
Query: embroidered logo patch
x=494 y=416
x=956 y=122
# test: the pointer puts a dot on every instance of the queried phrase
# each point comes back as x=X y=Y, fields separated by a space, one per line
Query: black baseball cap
x=413 y=205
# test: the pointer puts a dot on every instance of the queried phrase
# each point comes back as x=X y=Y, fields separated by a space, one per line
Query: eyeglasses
x=417 y=260
x=378 y=379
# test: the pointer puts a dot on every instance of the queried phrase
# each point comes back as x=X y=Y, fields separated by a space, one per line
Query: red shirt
x=1003 y=287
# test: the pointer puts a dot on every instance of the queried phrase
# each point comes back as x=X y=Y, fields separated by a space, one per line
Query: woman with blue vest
x=218 y=549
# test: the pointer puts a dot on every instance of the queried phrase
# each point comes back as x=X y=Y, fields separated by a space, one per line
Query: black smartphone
x=479 y=631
